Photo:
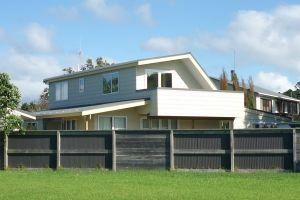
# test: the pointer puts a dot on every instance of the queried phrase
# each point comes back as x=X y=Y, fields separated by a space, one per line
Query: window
x=158 y=123
x=145 y=123
x=68 y=124
x=107 y=123
x=155 y=124
x=164 y=123
x=110 y=83
x=266 y=105
x=152 y=81
x=166 y=80
x=119 y=123
x=81 y=85
x=225 y=125
x=159 y=79
x=61 y=91
x=31 y=125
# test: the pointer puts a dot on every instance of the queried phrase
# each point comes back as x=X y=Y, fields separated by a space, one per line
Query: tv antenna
x=79 y=53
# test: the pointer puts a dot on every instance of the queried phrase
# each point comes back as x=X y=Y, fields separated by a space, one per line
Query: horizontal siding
x=198 y=103
x=93 y=90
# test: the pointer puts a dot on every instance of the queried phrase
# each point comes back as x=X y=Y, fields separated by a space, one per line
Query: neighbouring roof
x=260 y=90
x=89 y=110
x=140 y=62
x=24 y=114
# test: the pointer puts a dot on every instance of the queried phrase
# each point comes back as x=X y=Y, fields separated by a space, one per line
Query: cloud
x=273 y=81
x=27 y=71
x=39 y=38
x=144 y=12
x=267 y=38
x=166 y=45
x=65 y=13
x=105 y=10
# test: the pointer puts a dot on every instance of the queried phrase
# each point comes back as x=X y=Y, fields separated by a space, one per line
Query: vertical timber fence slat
x=58 y=147
x=5 y=152
x=114 y=151
x=171 y=150
x=231 y=150
x=294 y=150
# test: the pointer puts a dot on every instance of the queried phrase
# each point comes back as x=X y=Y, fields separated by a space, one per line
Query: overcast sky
x=39 y=38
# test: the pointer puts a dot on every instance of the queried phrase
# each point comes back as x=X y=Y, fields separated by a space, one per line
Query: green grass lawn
x=97 y=184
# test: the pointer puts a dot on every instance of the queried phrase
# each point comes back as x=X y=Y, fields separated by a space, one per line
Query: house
x=170 y=92
x=271 y=108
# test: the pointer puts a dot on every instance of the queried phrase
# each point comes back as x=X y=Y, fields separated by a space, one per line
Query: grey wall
x=93 y=90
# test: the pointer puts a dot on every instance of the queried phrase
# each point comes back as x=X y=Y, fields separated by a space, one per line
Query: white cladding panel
x=197 y=103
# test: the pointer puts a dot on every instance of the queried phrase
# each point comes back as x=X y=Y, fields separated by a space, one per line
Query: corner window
x=110 y=83
x=152 y=81
x=81 y=85
x=61 y=91
x=166 y=80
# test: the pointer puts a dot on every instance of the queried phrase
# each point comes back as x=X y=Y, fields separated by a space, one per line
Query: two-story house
x=171 y=92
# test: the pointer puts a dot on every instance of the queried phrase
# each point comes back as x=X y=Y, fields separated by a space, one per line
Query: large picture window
x=61 y=91
x=110 y=83
x=107 y=122
x=159 y=79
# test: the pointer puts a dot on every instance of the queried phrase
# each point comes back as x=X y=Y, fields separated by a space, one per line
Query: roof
x=264 y=91
x=24 y=114
x=140 y=62
x=89 y=110
x=267 y=92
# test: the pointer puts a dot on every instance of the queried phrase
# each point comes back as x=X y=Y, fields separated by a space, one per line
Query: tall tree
x=43 y=101
x=251 y=97
x=245 y=93
x=223 y=80
x=235 y=81
x=68 y=70
x=9 y=100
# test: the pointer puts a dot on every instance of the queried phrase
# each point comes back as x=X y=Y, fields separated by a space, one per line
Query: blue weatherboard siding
x=93 y=90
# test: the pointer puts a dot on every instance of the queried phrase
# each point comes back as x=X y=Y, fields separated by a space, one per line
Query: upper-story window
x=81 y=84
x=266 y=105
x=159 y=79
x=61 y=91
x=110 y=83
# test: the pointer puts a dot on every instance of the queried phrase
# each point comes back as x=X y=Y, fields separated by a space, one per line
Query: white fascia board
x=279 y=97
x=22 y=114
x=114 y=106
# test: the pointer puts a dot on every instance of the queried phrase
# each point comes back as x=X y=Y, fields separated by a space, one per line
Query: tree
x=245 y=93
x=235 y=81
x=68 y=70
x=251 y=97
x=9 y=100
x=43 y=101
x=293 y=93
x=223 y=80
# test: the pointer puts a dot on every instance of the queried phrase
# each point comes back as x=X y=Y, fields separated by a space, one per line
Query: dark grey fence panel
x=263 y=149
x=33 y=150
x=202 y=149
x=298 y=150
x=86 y=149
x=142 y=149
x=1 y=150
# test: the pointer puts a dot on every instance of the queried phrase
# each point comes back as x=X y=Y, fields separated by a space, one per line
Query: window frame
x=71 y=124
x=159 y=124
x=112 y=118
x=81 y=85
x=159 y=77
x=59 y=95
x=110 y=75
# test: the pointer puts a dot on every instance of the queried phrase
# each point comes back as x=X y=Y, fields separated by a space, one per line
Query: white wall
x=197 y=103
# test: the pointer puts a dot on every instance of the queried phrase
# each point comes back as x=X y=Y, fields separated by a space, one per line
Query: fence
x=247 y=149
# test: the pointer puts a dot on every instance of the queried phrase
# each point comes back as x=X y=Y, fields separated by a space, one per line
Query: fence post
x=172 y=150
x=231 y=151
x=5 y=152
x=114 y=149
x=58 y=150
x=295 y=150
